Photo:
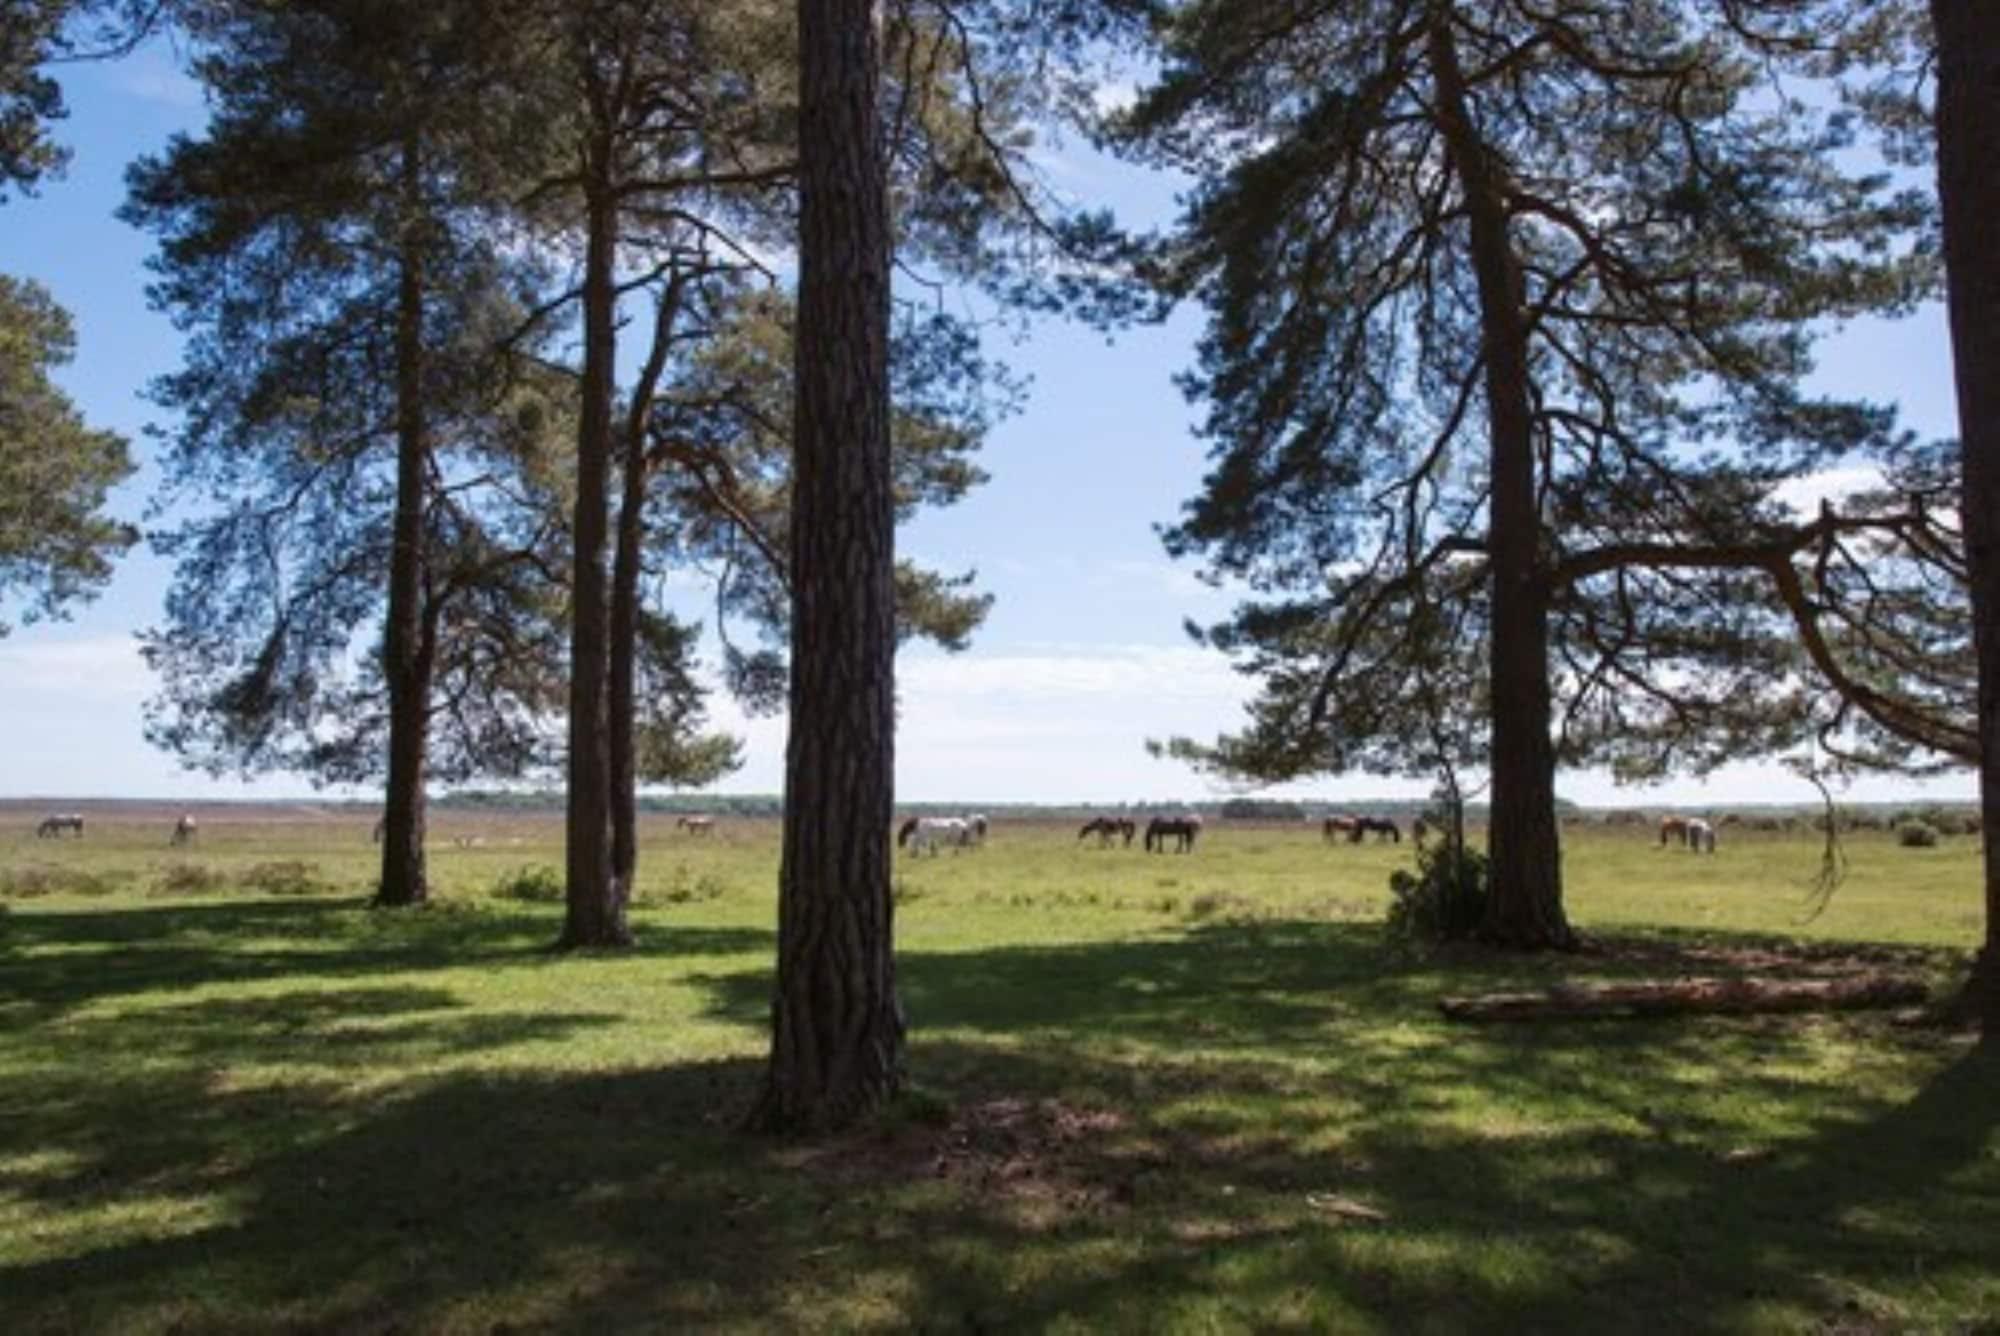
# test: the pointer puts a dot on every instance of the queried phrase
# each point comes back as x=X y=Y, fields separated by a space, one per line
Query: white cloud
x=88 y=667
x=1804 y=494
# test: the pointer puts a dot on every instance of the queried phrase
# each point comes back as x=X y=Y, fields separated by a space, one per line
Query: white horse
x=975 y=830
x=1700 y=835
x=932 y=832
x=184 y=830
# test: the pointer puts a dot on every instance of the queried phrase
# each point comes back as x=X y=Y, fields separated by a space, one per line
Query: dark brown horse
x=1109 y=828
x=1183 y=829
x=54 y=825
x=1381 y=827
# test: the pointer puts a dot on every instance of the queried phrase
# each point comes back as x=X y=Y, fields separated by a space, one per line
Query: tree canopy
x=1510 y=309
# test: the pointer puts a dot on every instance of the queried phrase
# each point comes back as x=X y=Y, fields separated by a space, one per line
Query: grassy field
x=1156 y=1094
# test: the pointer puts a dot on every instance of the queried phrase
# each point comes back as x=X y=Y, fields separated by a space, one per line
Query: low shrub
x=1442 y=901
x=540 y=884
x=1917 y=835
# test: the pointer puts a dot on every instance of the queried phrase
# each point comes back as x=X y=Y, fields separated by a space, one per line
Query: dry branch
x=1685 y=996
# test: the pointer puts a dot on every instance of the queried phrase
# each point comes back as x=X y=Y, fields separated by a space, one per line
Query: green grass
x=1156 y=1094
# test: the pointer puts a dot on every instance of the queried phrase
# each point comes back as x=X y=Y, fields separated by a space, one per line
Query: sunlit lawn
x=1160 y=1093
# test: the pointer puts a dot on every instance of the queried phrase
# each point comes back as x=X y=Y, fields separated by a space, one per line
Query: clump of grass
x=538 y=883
x=1222 y=904
x=284 y=877
x=189 y=879
x=1917 y=835
x=27 y=883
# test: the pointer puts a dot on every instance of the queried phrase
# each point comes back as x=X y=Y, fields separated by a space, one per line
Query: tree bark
x=837 y=1026
x=593 y=897
x=1524 y=907
x=1686 y=997
x=407 y=651
x=1968 y=134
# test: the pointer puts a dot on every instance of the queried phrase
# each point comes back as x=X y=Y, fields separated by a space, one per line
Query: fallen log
x=1587 y=1001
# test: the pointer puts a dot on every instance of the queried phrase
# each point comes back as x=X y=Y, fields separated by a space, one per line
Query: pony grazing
x=975 y=830
x=1673 y=830
x=1335 y=826
x=697 y=825
x=1381 y=827
x=56 y=823
x=931 y=833
x=1700 y=836
x=1182 y=829
x=1109 y=828
x=184 y=831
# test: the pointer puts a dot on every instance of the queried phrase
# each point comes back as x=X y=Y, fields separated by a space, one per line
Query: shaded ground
x=248 y=1116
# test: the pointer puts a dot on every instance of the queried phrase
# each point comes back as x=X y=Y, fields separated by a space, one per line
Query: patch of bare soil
x=1038 y=1160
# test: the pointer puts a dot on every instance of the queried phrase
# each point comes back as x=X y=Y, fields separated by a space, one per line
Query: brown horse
x=1341 y=826
x=1674 y=830
x=1107 y=829
x=1183 y=829
x=1381 y=827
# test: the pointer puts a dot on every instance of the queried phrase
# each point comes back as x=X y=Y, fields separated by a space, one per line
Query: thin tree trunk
x=622 y=736
x=593 y=896
x=405 y=667
x=621 y=742
x=1968 y=133
x=837 y=1027
x=1524 y=907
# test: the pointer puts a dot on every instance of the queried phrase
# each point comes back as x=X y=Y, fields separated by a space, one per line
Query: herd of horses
x=57 y=824
x=1353 y=828
x=1109 y=830
x=933 y=834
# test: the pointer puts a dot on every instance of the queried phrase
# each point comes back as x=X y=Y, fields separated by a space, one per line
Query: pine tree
x=1517 y=300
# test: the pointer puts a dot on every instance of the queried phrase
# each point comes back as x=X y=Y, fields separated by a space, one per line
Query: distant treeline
x=1948 y=818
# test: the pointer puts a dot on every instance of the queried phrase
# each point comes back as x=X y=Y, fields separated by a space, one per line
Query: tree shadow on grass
x=624 y=1201
x=56 y=961
x=1256 y=1126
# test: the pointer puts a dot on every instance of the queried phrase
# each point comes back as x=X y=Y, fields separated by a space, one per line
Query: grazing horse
x=1700 y=836
x=1181 y=828
x=184 y=831
x=697 y=825
x=1350 y=826
x=56 y=823
x=1380 y=826
x=1107 y=829
x=1673 y=829
x=931 y=832
x=975 y=830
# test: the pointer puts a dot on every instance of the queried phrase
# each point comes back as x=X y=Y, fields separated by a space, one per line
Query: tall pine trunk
x=1968 y=133
x=408 y=652
x=1524 y=907
x=593 y=896
x=837 y=1027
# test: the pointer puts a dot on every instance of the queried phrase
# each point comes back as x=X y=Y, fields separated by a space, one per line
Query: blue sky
x=1082 y=659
